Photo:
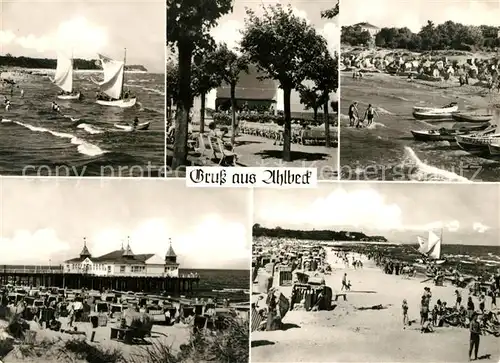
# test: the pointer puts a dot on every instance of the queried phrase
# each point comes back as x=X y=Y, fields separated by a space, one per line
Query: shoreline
x=346 y=334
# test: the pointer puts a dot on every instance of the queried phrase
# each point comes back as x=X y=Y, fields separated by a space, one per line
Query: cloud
x=43 y=245
x=228 y=32
x=362 y=208
x=213 y=243
x=331 y=32
x=479 y=227
x=365 y=208
x=76 y=35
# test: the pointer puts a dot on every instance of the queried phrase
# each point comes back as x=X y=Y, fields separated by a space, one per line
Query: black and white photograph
x=376 y=272
x=82 y=88
x=256 y=87
x=420 y=90
x=123 y=270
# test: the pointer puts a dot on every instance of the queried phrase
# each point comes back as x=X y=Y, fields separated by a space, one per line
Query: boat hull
x=427 y=136
x=494 y=149
x=436 y=109
x=432 y=116
x=459 y=117
x=118 y=103
x=476 y=144
x=69 y=97
x=141 y=126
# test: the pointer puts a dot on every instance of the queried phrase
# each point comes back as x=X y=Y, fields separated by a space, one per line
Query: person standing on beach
x=493 y=294
x=405 y=314
x=470 y=307
x=475 y=334
x=424 y=310
x=459 y=299
x=353 y=113
x=370 y=114
x=344 y=282
x=481 y=302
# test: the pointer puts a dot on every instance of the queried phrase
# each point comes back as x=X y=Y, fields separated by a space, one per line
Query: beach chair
x=201 y=148
x=226 y=157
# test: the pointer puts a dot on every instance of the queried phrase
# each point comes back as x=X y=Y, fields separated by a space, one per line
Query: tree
x=331 y=13
x=354 y=35
x=282 y=45
x=311 y=99
x=188 y=26
x=172 y=86
x=230 y=67
x=206 y=76
x=323 y=71
x=429 y=36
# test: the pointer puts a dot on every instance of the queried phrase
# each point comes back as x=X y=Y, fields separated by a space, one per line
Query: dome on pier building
x=128 y=251
x=170 y=256
x=85 y=251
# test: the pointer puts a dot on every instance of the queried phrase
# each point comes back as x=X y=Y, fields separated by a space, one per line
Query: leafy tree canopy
x=282 y=44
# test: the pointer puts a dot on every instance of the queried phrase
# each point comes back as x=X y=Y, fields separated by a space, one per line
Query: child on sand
x=405 y=313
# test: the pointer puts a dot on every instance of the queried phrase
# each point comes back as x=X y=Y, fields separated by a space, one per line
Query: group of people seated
x=104 y=97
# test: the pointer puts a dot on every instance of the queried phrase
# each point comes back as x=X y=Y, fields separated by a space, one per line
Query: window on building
x=122 y=269
x=109 y=269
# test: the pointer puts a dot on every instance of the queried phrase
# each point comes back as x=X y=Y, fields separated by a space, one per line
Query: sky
x=383 y=208
x=46 y=219
x=41 y=28
x=229 y=26
x=415 y=13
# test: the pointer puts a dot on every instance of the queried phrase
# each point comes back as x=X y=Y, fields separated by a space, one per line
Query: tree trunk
x=202 y=113
x=233 y=113
x=287 y=130
x=315 y=110
x=184 y=105
x=327 y=123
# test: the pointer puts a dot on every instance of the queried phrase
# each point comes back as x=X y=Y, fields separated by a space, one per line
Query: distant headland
x=315 y=234
x=45 y=63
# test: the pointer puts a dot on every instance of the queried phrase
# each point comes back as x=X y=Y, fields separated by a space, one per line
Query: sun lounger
x=225 y=157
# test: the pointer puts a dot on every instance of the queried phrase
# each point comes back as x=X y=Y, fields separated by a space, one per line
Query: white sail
x=434 y=245
x=422 y=245
x=64 y=73
x=430 y=247
x=113 y=70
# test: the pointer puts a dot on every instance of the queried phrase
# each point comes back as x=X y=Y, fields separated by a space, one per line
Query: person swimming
x=55 y=107
x=7 y=105
x=136 y=122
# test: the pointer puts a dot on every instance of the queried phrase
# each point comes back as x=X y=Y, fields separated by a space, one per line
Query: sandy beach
x=349 y=335
x=388 y=146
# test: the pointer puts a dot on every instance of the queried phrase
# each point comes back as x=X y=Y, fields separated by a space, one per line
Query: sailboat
x=430 y=248
x=64 y=78
x=112 y=85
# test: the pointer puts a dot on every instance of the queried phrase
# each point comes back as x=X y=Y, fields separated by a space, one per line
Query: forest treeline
x=46 y=63
x=449 y=35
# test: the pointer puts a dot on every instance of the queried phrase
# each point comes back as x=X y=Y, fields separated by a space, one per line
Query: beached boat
x=64 y=78
x=431 y=115
x=494 y=148
x=470 y=117
x=127 y=127
x=448 y=134
x=452 y=107
x=476 y=143
x=112 y=85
